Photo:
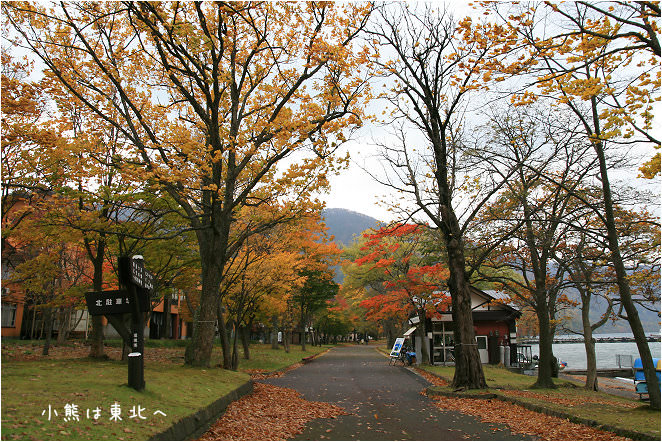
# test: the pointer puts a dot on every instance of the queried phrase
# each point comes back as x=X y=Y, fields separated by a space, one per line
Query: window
x=8 y=315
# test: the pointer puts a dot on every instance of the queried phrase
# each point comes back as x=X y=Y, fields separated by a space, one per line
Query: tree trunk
x=198 y=352
x=303 y=331
x=420 y=330
x=468 y=368
x=96 y=337
x=212 y=244
x=546 y=339
x=589 y=346
x=126 y=349
x=48 y=325
x=235 y=356
x=621 y=272
x=245 y=331
x=389 y=329
x=225 y=340
x=591 y=366
x=63 y=325
x=34 y=320
x=287 y=336
x=165 y=331
x=274 y=332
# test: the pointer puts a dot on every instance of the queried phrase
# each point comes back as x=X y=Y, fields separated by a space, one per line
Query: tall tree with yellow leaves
x=601 y=61
x=208 y=98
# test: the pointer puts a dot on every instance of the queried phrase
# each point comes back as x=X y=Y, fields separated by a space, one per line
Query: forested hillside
x=343 y=224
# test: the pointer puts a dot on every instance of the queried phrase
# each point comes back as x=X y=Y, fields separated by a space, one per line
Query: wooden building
x=494 y=325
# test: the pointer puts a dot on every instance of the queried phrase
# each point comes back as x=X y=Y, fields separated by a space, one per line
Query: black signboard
x=140 y=276
x=113 y=302
x=138 y=283
x=109 y=302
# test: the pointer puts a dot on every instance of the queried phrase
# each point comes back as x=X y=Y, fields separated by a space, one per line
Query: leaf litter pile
x=431 y=378
x=519 y=419
x=269 y=413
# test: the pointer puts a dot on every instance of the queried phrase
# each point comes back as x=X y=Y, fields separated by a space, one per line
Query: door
x=482 y=349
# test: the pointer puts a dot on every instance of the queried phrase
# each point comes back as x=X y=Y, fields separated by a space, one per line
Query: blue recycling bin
x=640 y=385
x=639 y=369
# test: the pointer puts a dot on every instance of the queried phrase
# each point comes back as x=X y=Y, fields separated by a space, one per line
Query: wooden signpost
x=134 y=298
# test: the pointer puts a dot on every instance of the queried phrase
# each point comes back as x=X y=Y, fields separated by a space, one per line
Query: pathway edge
x=631 y=434
x=196 y=424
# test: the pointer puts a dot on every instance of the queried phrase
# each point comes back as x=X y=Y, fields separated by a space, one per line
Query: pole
x=136 y=364
x=136 y=357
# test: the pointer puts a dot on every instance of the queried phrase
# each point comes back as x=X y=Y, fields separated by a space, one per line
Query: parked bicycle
x=407 y=356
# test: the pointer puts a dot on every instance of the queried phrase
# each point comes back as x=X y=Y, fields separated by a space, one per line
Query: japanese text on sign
x=73 y=413
x=140 y=276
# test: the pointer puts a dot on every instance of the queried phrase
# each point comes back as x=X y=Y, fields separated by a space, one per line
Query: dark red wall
x=485 y=328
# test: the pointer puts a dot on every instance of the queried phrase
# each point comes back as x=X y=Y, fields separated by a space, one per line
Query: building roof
x=495 y=295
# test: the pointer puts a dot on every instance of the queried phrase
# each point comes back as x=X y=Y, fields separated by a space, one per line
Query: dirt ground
x=609 y=385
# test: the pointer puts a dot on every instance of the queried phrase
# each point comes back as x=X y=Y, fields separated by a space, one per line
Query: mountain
x=344 y=224
x=649 y=319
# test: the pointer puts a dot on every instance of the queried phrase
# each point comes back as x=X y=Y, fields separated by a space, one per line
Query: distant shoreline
x=580 y=339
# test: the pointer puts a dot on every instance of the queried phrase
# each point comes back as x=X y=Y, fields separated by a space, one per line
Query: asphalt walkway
x=385 y=401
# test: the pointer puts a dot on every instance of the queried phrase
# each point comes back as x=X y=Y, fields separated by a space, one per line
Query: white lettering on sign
x=136 y=272
x=140 y=276
x=99 y=303
x=109 y=302
x=118 y=301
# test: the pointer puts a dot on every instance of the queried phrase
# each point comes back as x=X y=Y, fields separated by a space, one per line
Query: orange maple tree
x=413 y=284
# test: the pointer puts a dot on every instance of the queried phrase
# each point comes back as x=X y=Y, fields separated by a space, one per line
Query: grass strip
x=34 y=390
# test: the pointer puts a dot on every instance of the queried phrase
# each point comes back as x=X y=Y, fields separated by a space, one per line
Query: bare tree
x=534 y=215
x=432 y=75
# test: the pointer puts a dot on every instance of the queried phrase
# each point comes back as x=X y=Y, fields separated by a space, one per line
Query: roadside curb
x=431 y=391
x=308 y=359
x=630 y=434
x=196 y=424
x=280 y=372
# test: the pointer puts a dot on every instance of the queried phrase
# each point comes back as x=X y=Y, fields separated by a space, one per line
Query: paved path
x=384 y=400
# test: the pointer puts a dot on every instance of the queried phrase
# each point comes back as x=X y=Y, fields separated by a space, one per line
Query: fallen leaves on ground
x=567 y=401
x=77 y=350
x=434 y=380
x=269 y=413
x=521 y=420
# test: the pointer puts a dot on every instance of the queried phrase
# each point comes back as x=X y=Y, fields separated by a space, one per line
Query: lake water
x=605 y=352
